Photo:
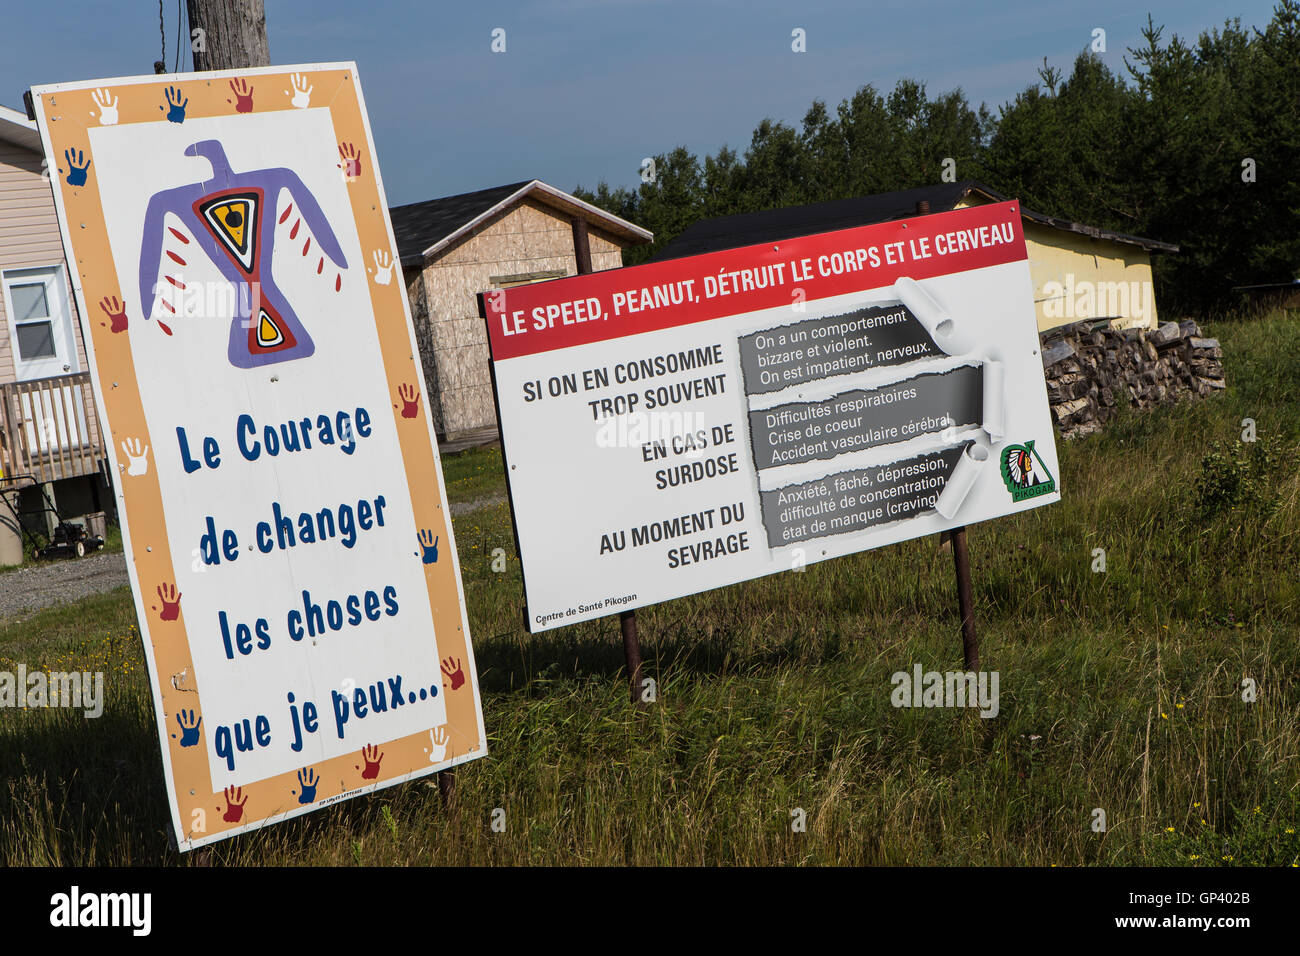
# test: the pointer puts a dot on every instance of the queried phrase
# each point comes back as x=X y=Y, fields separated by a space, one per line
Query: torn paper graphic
x=855 y=420
x=936 y=320
x=968 y=470
x=995 y=377
x=858 y=499
x=875 y=336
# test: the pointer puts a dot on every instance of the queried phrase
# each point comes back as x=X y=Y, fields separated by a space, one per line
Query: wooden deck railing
x=49 y=429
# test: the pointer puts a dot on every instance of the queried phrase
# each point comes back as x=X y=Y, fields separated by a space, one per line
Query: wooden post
x=626 y=619
x=447 y=786
x=581 y=246
x=970 y=643
x=234 y=34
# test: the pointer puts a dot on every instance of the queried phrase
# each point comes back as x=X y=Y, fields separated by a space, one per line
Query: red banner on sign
x=660 y=295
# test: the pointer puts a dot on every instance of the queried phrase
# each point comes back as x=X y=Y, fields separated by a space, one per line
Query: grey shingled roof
x=425 y=228
x=422 y=224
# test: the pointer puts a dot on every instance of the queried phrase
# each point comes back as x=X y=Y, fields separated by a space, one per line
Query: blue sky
x=586 y=88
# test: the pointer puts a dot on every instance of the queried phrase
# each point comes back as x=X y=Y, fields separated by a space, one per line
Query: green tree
x=1158 y=153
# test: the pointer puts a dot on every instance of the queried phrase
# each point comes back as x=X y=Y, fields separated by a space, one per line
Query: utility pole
x=233 y=37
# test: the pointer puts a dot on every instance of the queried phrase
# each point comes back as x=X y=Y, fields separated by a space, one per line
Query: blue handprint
x=308 y=780
x=77 y=166
x=189 y=727
x=430 y=545
x=176 y=110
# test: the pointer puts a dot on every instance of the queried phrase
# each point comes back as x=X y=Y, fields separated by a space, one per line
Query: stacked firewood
x=1093 y=369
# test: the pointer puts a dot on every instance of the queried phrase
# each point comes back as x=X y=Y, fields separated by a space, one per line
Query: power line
x=177 y=67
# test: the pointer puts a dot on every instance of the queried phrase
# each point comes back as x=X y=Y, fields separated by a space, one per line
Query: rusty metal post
x=632 y=652
x=970 y=643
x=626 y=619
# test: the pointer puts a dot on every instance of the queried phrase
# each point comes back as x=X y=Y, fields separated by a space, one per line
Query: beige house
x=454 y=248
x=1079 y=271
x=49 y=433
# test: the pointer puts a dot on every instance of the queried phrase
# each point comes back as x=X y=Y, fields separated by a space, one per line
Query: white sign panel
x=685 y=425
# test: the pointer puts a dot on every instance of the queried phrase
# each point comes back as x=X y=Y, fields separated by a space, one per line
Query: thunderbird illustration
x=229 y=218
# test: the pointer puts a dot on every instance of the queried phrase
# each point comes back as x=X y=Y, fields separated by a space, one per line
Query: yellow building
x=1079 y=271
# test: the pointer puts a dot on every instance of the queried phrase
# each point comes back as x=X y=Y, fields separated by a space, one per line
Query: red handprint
x=243 y=96
x=410 y=397
x=351 y=164
x=235 y=801
x=116 y=312
x=451 y=668
x=371 y=755
x=171 y=602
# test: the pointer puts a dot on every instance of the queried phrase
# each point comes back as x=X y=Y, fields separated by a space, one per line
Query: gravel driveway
x=60 y=582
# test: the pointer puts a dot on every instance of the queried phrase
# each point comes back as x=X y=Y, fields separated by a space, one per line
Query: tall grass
x=1121 y=692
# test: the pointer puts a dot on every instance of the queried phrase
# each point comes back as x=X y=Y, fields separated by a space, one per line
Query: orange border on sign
x=65 y=114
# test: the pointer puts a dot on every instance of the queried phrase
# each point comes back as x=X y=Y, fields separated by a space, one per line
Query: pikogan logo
x=1025 y=474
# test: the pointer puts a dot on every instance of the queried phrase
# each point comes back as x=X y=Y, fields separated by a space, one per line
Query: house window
x=40 y=322
x=33 y=321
